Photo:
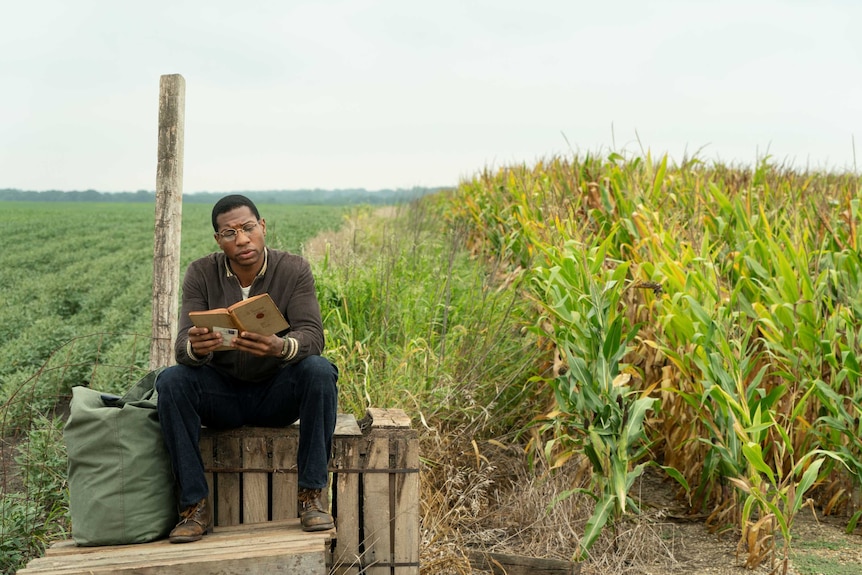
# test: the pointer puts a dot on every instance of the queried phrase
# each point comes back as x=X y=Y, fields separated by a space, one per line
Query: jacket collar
x=229 y=272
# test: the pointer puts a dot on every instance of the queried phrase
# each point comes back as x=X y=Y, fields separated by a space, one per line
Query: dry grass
x=482 y=495
x=342 y=247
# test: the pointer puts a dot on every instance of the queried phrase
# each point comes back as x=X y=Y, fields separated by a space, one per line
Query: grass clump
x=806 y=564
x=413 y=322
x=30 y=518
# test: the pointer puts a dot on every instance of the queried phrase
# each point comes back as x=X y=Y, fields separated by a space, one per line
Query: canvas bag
x=121 y=486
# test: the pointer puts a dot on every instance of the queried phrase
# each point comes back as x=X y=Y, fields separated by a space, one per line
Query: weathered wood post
x=169 y=212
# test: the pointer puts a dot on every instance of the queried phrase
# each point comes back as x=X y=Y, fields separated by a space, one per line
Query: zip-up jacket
x=209 y=283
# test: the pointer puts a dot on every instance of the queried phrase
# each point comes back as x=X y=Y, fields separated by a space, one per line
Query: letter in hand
x=204 y=341
x=257 y=344
x=227 y=334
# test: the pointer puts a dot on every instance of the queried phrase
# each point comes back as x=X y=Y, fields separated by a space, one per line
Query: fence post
x=169 y=211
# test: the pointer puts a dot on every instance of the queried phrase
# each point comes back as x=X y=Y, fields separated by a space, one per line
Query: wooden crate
x=252 y=549
x=374 y=487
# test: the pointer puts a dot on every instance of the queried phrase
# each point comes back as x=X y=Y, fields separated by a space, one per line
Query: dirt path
x=820 y=545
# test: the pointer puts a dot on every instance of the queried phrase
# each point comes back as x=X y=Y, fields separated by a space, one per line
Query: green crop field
x=556 y=330
x=72 y=270
x=77 y=308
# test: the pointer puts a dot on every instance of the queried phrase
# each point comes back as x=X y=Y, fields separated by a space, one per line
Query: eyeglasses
x=230 y=234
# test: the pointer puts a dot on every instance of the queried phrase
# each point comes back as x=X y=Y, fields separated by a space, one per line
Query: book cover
x=257 y=314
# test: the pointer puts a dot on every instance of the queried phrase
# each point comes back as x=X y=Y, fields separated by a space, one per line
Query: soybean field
x=77 y=282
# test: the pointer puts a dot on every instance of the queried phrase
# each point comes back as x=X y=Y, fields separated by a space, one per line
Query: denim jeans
x=193 y=396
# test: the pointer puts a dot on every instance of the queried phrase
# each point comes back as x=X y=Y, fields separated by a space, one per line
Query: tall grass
x=413 y=321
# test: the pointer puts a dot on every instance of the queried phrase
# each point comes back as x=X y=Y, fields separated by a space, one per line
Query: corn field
x=701 y=318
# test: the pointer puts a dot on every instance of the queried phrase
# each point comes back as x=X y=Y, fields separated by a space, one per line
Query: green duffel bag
x=121 y=487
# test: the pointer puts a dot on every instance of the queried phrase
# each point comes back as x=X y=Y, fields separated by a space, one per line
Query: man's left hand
x=257 y=344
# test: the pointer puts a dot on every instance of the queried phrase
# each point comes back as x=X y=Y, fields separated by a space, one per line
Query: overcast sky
x=290 y=94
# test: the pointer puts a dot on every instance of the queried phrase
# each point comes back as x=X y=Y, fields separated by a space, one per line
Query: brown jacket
x=209 y=283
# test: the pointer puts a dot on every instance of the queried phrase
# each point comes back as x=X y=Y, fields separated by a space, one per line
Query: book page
x=212 y=318
x=259 y=315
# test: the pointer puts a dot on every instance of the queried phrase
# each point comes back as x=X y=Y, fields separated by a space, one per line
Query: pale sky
x=292 y=94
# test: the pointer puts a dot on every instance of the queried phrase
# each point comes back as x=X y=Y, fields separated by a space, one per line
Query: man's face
x=241 y=237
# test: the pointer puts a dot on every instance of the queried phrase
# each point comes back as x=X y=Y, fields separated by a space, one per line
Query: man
x=265 y=380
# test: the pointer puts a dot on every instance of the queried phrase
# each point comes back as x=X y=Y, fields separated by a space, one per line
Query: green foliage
x=597 y=413
x=412 y=322
x=85 y=269
x=77 y=298
x=737 y=370
x=19 y=516
x=771 y=498
x=753 y=335
x=342 y=197
x=42 y=461
x=31 y=519
x=814 y=564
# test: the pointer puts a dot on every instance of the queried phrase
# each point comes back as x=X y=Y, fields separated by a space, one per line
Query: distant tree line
x=307 y=197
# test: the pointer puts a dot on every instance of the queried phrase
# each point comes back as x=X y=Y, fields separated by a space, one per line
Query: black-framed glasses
x=229 y=235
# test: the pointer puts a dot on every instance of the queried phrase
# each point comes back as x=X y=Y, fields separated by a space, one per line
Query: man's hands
x=203 y=341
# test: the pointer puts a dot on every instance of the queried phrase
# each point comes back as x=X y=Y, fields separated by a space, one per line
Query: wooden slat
x=387 y=418
x=406 y=494
x=250 y=549
x=255 y=486
x=283 y=464
x=503 y=564
x=290 y=529
x=380 y=462
x=229 y=455
x=292 y=524
x=67 y=552
x=345 y=426
x=346 y=489
x=378 y=548
x=206 y=447
x=247 y=562
x=284 y=489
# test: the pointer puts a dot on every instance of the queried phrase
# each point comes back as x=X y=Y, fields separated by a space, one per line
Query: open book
x=257 y=314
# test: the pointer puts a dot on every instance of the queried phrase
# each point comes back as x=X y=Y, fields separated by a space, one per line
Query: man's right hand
x=203 y=341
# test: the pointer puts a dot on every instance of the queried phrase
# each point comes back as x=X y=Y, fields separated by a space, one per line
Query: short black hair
x=229 y=203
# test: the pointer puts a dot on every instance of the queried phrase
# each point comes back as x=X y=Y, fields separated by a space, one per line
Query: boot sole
x=324 y=527
x=187 y=538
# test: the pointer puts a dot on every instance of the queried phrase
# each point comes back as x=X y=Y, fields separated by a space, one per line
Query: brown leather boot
x=311 y=512
x=194 y=523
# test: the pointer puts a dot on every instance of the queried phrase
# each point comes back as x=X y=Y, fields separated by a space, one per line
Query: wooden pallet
x=249 y=549
x=374 y=490
x=251 y=471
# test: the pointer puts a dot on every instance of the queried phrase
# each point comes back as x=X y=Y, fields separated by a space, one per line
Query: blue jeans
x=193 y=396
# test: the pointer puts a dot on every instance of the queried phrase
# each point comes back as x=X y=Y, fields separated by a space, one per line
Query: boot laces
x=310 y=500
x=189 y=512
